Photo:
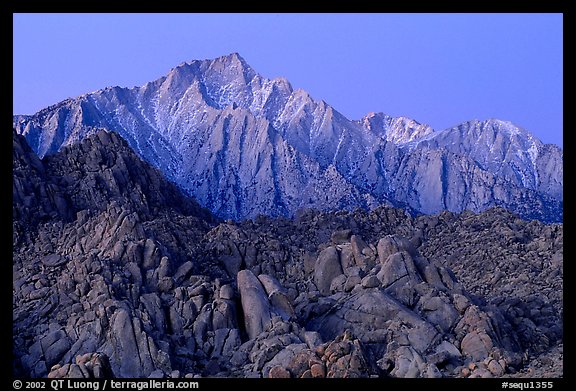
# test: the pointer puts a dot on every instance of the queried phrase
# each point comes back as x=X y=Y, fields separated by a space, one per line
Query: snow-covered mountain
x=244 y=145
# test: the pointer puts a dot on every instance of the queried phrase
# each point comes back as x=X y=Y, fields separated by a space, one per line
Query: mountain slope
x=88 y=269
x=243 y=145
x=507 y=151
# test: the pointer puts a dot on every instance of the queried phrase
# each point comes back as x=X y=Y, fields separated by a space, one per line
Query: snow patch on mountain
x=243 y=145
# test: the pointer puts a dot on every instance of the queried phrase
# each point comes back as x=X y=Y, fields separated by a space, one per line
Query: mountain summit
x=244 y=145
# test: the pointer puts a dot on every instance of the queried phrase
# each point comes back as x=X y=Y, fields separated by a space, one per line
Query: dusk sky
x=439 y=69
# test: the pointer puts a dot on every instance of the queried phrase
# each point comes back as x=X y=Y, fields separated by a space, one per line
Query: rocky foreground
x=116 y=273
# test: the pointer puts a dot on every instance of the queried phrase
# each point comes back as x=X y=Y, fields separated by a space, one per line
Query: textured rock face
x=255 y=304
x=37 y=197
x=90 y=278
x=503 y=149
x=130 y=278
x=493 y=266
x=244 y=145
x=89 y=365
x=326 y=269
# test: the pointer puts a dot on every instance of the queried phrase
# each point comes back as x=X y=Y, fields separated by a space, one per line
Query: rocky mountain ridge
x=244 y=145
x=117 y=273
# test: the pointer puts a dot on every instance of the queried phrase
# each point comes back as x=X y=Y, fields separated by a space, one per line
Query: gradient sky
x=439 y=69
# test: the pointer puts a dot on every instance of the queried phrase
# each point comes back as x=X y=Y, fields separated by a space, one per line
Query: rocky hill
x=117 y=273
x=244 y=145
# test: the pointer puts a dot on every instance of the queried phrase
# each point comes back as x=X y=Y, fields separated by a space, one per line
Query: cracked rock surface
x=117 y=273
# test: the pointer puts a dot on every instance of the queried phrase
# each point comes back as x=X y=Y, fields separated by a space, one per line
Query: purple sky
x=439 y=69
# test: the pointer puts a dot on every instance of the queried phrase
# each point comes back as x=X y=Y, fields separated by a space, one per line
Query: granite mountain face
x=244 y=145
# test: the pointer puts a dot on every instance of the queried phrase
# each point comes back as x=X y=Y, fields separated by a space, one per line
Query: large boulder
x=363 y=254
x=89 y=366
x=327 y=267
x=255 y=304
x=391 y=244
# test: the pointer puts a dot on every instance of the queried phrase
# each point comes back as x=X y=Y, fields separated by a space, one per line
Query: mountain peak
x=399 y=130
x=243 y=145
x=235 y=56
x=231 y=65
x=231 y=62
x=230 y=59
x=506 y=126
x=495 y=125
